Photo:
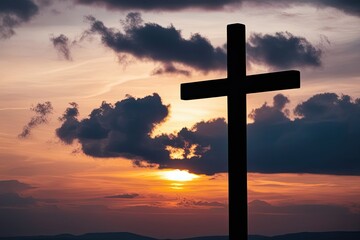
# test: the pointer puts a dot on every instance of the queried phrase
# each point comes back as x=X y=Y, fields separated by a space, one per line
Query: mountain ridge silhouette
x=336 y=235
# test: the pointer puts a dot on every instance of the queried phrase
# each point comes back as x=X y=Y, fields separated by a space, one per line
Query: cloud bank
x=159 y=4
x=166 y=45
x=351 y=7
x=13 y=14
x=322 y=139
x=124 y=129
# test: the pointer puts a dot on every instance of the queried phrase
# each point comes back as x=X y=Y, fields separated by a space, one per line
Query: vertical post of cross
x=237 y=115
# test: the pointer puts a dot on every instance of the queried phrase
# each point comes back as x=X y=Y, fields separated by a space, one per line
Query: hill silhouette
x=132 y=236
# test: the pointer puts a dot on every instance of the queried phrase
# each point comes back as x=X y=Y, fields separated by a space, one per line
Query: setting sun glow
x=179 y=175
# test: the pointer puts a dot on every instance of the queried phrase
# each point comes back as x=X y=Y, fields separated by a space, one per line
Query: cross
x=235 y=87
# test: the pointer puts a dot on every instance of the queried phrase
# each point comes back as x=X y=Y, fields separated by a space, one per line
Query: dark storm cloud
x=159 y=4
x=282 y=50
x=41 y=110
x=62 y=44
x=68 y=130
x=14 y=13
x=324 y=139
x=150 y=41
x=122 y=129
x=125 y=195
x=328 y=106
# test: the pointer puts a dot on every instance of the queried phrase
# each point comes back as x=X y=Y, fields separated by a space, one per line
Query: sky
x=95 y=138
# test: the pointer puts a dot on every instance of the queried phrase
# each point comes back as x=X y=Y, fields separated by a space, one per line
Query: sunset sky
x=94 y=136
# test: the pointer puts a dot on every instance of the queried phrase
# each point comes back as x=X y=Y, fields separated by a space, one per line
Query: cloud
x=193 y=203
x=41 y=110
x=262 y=207
x=125 y=195
x=170 y=69
x=122 y=129
x=323 y=139
x=351 y=7
x=13 y=186
x=68 y=130
x=159 y=4
x=125 y=128
x=203 y=147
x=15 y=200
x=62 y=45
x=166 y=45
x=14 y=13
x=282 y=50
x=275 y=113
x=328 y=106
x=313 y=217
x=9 y=194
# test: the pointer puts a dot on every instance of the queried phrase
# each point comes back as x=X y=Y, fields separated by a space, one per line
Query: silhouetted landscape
x=131 y=236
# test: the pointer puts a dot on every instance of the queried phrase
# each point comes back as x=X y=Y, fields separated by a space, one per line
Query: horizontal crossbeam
x=204 y=89
x=272 y=81
x=253 y=84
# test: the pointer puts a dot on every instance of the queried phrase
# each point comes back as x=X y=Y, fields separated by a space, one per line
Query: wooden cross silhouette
x=235 y=87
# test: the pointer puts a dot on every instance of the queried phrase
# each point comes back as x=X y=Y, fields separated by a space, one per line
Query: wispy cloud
x=185 y=202
x=41 y=111
x=124 y=196
x=170 y=69
x=62 y=44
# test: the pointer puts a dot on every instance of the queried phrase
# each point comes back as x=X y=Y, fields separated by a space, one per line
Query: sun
x=179 y=175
